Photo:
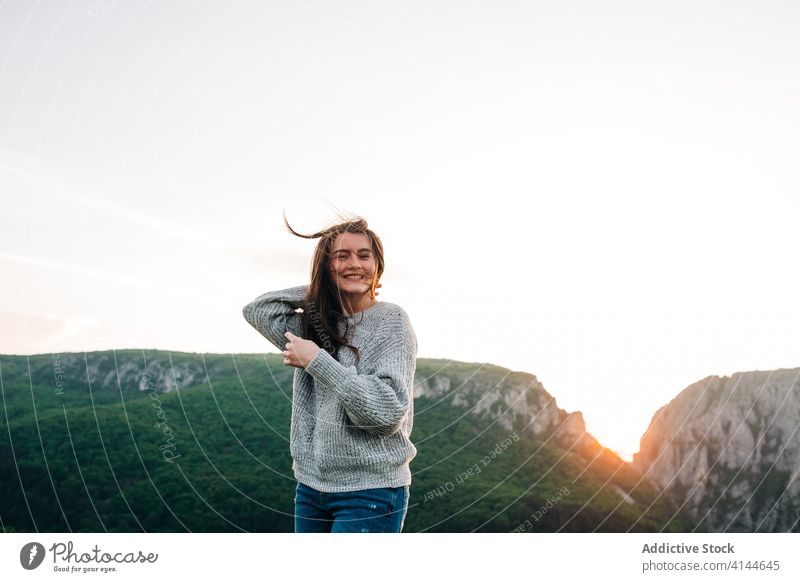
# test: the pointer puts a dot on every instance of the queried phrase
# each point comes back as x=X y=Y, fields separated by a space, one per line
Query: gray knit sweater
x=351 y=425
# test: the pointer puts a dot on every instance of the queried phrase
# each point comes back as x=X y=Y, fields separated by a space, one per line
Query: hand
x=299 y=352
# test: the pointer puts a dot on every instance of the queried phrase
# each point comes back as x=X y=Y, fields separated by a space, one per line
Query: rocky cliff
x=726 y=449
x=513 y=400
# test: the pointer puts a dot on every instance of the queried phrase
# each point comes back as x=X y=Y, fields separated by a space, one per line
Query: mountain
x=464 y=408
x=726 y=450
x=145 y=440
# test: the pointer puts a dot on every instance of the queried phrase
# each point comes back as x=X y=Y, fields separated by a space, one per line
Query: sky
x=602 y=194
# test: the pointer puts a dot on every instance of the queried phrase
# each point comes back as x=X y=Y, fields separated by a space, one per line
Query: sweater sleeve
x=379 y=402
x=273 y=314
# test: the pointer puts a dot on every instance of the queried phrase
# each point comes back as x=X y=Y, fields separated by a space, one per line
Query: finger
x=290 y=335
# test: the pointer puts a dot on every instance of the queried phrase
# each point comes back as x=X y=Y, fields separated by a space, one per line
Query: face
x=351 y=254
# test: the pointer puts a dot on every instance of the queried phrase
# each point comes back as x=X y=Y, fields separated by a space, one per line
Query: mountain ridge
x=234 y=408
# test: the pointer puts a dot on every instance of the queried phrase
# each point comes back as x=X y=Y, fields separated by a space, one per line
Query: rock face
x=513 y=400
x=728 y=450
x=155 y=370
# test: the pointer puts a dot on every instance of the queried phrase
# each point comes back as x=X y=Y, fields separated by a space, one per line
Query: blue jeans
x=368 y=510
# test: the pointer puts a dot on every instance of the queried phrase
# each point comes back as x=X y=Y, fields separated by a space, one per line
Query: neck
x=353 y=305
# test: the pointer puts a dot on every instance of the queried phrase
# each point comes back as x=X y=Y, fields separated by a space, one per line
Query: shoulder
x=396 y=323
x=393 y=314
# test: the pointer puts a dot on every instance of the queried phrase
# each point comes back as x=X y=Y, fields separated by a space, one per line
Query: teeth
x=354 y=277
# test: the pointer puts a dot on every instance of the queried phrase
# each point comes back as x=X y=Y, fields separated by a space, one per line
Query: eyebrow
x=348 y=250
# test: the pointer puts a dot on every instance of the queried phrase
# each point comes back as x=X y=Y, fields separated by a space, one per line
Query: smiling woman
x=352 y=397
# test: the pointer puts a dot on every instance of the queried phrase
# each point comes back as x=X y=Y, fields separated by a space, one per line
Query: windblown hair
x=323 y=310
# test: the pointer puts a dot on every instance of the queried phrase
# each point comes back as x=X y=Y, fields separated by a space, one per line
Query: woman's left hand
x=299 y=352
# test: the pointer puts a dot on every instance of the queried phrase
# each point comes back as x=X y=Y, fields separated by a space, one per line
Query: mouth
x=354 y=277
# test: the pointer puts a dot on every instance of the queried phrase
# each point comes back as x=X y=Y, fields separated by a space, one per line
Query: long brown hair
x=322 y=309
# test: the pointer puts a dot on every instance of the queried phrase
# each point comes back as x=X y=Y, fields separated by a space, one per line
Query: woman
x=352 y=394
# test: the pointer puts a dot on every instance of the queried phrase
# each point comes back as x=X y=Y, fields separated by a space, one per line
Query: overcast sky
x=603 y=194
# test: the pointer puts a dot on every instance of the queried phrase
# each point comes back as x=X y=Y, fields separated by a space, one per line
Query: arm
x=379 y=402
x=273 y=313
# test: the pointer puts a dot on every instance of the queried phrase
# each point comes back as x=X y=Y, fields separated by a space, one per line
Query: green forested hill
x=146 y=440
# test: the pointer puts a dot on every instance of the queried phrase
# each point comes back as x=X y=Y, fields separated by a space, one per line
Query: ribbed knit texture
x=351 y=426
